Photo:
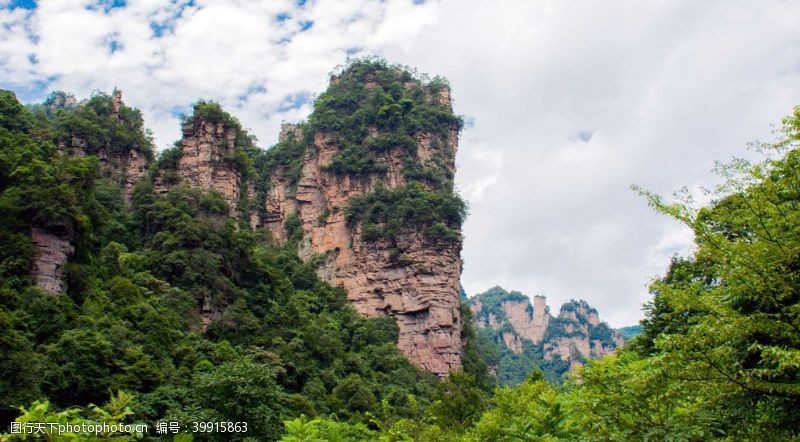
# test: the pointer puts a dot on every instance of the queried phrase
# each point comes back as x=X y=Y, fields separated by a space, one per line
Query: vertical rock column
x=204 y=162
x=421 y=289
x=52 y=252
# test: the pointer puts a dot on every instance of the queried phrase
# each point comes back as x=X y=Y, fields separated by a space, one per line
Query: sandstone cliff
x=577 y=334
x=208 y=157
x=536 y=339
x=121 y=160
x=53 y=249
x=404 y=275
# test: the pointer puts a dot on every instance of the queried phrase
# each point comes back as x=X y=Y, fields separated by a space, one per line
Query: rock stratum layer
x=379 y=139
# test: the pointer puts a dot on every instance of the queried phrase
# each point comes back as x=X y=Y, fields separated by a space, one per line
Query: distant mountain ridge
x=516 y=336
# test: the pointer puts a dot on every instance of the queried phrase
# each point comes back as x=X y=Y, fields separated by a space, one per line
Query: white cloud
x=570 y=104
x=664 y=88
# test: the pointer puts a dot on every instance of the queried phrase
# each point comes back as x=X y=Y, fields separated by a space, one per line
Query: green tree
x=531 y=412
x=733 y=319
x=458 y=402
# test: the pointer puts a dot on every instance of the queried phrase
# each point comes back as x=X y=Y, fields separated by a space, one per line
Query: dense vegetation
x=284 y=344
x=371 y=108
x=383 y=213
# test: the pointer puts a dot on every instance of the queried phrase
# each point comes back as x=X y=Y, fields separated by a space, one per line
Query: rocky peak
x=116 y=105
x=208 y=157
x=121 y=159
x=386 y=268
x=576 y=334
x=59 y=100
x=289 y=130
x=497 y=307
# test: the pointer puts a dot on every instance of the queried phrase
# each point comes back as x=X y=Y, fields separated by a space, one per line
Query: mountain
x=516 y=336
x=319 y=276
x=364 y=189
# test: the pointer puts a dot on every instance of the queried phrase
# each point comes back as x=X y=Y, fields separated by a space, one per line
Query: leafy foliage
x=371 y=108
x=95 y=123
x=384 y=213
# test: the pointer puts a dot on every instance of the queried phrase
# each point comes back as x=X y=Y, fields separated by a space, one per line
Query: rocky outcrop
x=126 y=166
x=575 y=335
x=578 y=335
x=302 y=202
x=59 y=100
x=207 y=160
x=530 y=325
x=513 y=342
x=407 y=277
x=53 y=249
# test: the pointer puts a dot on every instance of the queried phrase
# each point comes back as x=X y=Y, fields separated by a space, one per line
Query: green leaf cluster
x=371 y=108
x=384 y=213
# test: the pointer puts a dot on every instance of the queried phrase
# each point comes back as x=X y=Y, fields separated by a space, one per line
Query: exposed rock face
x=575 y=335
x=528 y=325
x=116 y=105
x=579 y=335
x=404 y=276
x=409 y=279
x=207 y=151
x=513 y=342
x=52 y=252
x=59 y=100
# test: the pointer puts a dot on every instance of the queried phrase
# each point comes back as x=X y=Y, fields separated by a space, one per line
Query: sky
x=567 y=103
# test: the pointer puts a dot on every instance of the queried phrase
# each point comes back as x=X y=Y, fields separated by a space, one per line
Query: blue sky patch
x=159 y=29
x=253 y=89
x=306 y=25
x=22 y=4
x=293 y=102
x=114 y=46
x=107 y=5
x=34 y=93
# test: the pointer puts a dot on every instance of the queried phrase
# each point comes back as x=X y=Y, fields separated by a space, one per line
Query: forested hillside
x=136 y=287
x=158 y=298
